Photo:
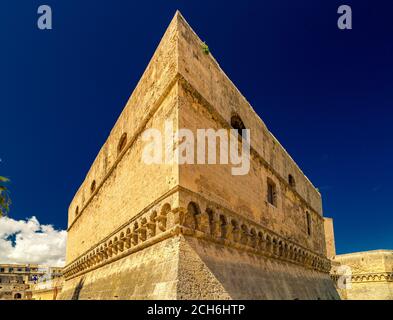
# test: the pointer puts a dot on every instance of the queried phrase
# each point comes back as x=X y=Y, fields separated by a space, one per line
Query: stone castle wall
x=147 y=274
x=150 y=232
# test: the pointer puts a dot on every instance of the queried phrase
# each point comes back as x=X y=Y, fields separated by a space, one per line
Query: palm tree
x=5 y=200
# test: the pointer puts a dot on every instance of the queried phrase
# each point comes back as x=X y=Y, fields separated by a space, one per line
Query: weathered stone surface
x=171 y=231
x=147 y=274
x=212 y=271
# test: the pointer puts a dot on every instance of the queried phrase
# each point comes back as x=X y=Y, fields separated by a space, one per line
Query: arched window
x=122 y=143
x=291 y=181
x=271 y=193
x=237 y=124
x=93 y=186
x=309 y=222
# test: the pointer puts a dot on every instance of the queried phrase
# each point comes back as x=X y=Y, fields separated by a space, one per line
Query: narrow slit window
x=308 y=223
x=271 y=193
x=93 y=186
x=237 y=124
x=122 y=143
x=291 y=181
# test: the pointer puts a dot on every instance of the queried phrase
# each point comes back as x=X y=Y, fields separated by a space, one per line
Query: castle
x=171 y=231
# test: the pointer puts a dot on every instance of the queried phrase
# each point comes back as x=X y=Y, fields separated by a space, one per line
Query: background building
x=365 y=275
x=17 y=281
x=361 y=275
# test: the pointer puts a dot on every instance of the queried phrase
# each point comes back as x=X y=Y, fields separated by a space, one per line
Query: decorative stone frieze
x=221 y=227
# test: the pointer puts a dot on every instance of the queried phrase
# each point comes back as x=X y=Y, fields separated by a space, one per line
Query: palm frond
x=5 y=200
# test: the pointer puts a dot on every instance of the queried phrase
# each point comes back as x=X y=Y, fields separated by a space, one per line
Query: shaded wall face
x=147 y=274
x=226 y=273
x=246 y=195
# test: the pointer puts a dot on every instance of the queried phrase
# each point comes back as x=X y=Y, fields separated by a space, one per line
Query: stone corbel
x=161 y=221
x=203 y=223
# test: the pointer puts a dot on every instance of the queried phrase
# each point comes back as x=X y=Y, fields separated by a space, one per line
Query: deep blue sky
x=326 y=94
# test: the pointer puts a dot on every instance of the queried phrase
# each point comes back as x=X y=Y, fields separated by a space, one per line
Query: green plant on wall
x=205 y=48
x=5 y=200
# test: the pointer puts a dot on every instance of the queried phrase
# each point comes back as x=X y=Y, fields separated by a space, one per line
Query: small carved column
x=105 y=253
x=215 y=226
x=114 y=247
x=261 y=246
x=128 y=240
x=172 y=219
x=253 y=239
x=202 y=222
x=229 y=232
x=244 y=236
x=109 y=250
x=143 y=232
x=151 y=226
x=179 y=216
x=235 y=233
x=276 y=249
x=134 y=238
x=120 y=245
x=161 y=223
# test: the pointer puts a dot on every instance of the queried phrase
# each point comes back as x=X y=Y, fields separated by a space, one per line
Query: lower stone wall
x=212 y=271
x=49 y=294
x=147 y=274
x=368 y=291
x=185 y=268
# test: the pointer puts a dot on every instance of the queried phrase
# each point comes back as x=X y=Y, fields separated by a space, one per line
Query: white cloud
x=29 y=242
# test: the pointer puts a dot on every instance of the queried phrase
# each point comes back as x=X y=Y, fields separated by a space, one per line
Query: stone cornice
x=221 y=227
x=366 y=277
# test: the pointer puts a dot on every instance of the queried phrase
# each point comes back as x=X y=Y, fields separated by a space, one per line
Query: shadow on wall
x=259 y=278
x=78 y=289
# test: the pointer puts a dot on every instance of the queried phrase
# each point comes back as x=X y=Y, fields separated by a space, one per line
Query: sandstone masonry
x=169 y=231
